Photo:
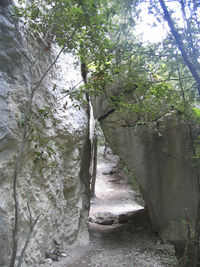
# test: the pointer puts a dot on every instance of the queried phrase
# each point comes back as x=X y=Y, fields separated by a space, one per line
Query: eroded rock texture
x=53 y=177
x=159 y=154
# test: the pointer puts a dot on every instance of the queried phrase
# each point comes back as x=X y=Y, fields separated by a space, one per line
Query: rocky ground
x=120 y=231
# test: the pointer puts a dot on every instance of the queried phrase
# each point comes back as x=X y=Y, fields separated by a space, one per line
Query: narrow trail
x=113 y=191
x=120 y=230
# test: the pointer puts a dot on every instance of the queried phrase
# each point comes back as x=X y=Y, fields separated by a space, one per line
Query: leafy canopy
x=101 y=34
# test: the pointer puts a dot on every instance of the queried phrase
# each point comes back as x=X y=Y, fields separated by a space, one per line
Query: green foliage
x=43 y=149
x=100 y=33
x=154 y=79
x=196 y=114
x=83 y=25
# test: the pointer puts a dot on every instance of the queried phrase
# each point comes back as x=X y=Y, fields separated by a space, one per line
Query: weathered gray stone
x=125 y=217
x=3 y=88
x=5 y=3
x=159 y=155
x=105 y=218
x=3 y=130
x=4 y=246
x=57 y=189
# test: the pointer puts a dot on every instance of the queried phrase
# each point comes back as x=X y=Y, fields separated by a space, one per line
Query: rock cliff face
x=53 y=178
x=159 y=154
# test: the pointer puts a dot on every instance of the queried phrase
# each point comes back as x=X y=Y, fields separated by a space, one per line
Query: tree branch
x=188 y=60
x=31 y=228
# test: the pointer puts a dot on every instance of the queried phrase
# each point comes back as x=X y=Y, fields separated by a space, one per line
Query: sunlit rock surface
x=159 y=155
x=56 y=187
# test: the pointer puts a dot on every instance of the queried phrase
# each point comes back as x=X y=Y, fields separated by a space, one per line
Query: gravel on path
x=132 y=243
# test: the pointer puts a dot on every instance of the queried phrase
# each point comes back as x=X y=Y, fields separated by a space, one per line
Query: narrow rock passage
x=114 y=195
x=120 y=231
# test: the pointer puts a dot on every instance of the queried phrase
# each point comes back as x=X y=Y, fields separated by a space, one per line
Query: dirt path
x=120 y=230
x=113 y=192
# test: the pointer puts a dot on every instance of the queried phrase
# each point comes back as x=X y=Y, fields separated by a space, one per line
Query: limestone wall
x=53 y=177
x=159 y=154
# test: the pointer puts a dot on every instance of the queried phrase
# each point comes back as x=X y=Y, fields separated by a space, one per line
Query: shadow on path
x=121 y=233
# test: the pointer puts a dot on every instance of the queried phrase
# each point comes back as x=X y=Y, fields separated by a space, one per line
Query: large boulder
x=53 y=177
x=159 y=155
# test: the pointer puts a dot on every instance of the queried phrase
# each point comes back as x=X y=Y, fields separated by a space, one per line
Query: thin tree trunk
x=94 y=169
x=93 y=163
x=19 y=156
x=188 y=60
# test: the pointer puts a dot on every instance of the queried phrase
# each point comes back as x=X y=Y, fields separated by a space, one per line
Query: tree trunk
x=188 y=60
x=94 y=169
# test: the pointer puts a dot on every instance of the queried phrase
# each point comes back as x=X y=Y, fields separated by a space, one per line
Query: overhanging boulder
x=159 y=154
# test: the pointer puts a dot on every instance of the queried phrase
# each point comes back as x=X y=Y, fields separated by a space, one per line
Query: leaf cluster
x=100 y=33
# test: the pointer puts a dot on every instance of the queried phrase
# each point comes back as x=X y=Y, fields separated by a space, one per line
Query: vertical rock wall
x=164 y=170
x=53 y=178
x=159 y=154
